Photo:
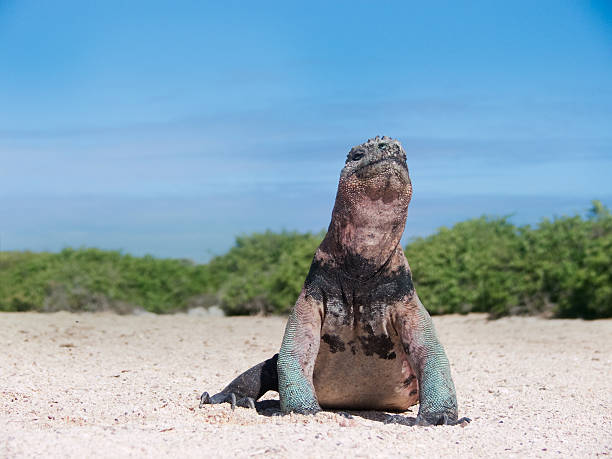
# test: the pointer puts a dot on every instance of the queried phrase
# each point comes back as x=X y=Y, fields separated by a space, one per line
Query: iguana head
x=371 y=205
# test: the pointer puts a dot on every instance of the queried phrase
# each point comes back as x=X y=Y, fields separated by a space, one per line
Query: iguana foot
x=461 y=421
x=399 y=419
x=306 y=411
x=429 y=421
x=439 y=420
x=245 y=402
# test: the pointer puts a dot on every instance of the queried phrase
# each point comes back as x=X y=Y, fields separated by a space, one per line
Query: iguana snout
x=376 y=157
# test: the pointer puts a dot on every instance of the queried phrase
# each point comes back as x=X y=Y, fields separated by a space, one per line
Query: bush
x=570 y=263
x=263 y=272
x=92 y=279
x=474 y=266
x=562 y=268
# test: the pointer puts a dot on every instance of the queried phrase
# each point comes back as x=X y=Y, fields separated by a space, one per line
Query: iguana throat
x=371 y=207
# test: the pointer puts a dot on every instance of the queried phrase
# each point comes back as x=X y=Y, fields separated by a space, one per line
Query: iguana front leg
x=297 y=355
x=437 y=397
x=247 y=387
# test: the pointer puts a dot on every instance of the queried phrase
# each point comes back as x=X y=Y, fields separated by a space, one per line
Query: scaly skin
x=297 y=357
x=358 y=336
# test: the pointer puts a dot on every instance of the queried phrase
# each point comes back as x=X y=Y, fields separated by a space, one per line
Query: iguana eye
x=357 y=156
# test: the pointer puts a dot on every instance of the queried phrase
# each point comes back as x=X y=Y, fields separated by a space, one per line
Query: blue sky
x=170 y=127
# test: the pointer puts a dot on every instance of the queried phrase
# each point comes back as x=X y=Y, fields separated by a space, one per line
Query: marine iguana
x=358 y=336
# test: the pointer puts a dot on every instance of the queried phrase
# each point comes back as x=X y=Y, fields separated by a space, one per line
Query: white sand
x=101 y=385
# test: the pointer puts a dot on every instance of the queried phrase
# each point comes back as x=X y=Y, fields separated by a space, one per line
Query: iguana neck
x=362 y=240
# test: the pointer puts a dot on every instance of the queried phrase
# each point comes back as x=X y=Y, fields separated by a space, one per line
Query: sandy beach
x=103 y=385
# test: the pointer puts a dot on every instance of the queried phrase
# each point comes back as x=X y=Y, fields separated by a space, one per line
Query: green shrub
x=474 y=266
x=562 y=267
x=93 y=279
x=570 y=263
x=263 y=272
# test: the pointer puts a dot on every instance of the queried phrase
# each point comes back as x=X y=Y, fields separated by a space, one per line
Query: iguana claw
x=306 y=411
x=441 y=420
x=204 y=399
x=245 y=402
x=421 y=421
x=461 y=421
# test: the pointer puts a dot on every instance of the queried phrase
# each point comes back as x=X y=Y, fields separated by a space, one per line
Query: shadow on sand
x=272 y=408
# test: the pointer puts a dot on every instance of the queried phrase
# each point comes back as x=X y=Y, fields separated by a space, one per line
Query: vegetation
x=562 y=268
x=263 y=273
x=92 y=279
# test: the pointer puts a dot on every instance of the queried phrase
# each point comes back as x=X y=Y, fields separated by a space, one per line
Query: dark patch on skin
x=409 y=380
x=334 y=342
x=353 y=347
x=332 y=286
x=413 y=392
x=407 y=349
x=324 y=299
x=380 y=345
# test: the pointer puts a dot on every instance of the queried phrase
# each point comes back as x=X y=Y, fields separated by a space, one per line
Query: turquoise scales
x=358 y=336
x=298 y=393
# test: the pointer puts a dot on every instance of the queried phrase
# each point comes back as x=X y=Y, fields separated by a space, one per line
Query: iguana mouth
x=369 y=169
x=391 y=159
